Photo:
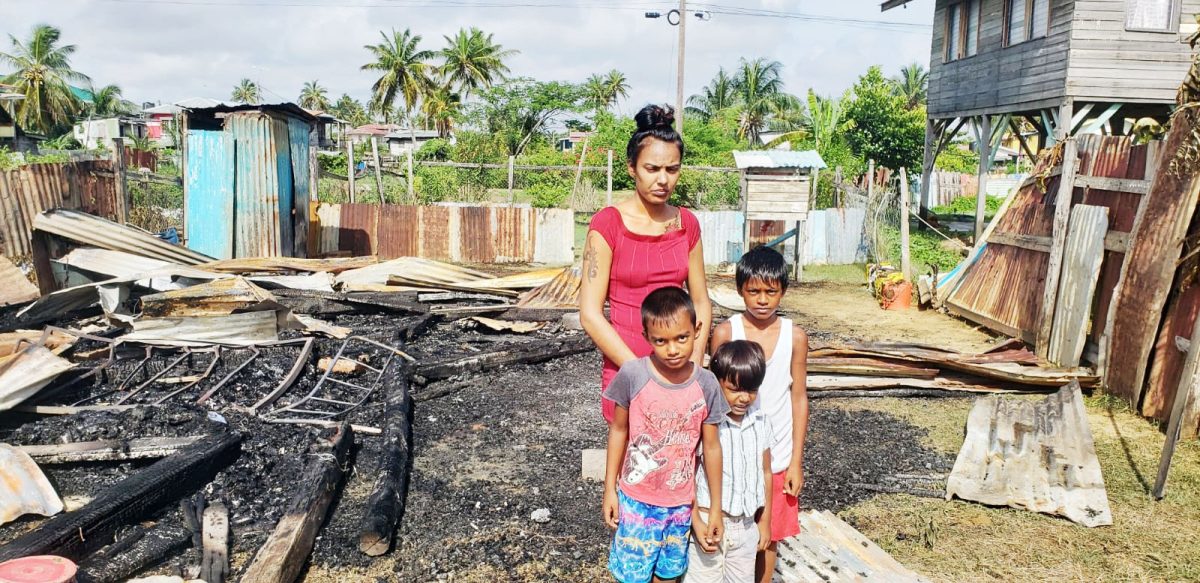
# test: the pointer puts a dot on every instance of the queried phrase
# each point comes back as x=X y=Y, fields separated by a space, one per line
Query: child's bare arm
x=618 y=440
x=721 y=334
x=710 y=438
x=764 y=517
x=700 y=530
x=795 y=471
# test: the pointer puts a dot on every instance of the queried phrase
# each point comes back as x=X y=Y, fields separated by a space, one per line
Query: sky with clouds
x=166 y=50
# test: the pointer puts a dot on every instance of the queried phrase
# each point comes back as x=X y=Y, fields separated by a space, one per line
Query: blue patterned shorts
x=650 y=540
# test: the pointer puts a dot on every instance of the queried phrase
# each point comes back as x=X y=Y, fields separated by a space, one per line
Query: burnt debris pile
x=200 y=419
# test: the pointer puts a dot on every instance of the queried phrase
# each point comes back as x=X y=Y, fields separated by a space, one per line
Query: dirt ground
x=500 y=446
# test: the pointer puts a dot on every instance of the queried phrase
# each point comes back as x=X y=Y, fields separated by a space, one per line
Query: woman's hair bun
x=655 y=117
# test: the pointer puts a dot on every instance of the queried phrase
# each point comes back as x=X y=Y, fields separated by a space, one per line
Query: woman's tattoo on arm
x=589 y=257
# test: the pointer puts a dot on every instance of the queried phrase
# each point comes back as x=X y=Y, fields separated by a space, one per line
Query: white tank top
x=775 y=394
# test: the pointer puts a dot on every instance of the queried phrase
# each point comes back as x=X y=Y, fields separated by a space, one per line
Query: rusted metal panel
x=14 y=286
x=1076 y=289
x=399 y=231
x=1038 y=456
x=512 y=234
x=435 y=232
x=475 y=225
x=24 y=489
x=328 y=227
x=763 y=232
x=357 y=226
x=256 y=190
x=29 y=190
x=1150 y=262
x=1166 y=365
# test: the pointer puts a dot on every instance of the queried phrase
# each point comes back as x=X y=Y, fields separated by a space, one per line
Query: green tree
x=42 y=73
x=472 y=61
x=246 y=92
x=601 y=92
x=912 y=84
x=719 y=94
x=405 y=73
x=107 y=101
x=519 y=110
x=440 y=109
x=350 y=110
x=884 y=128
x=758 y=85
x=313 y=96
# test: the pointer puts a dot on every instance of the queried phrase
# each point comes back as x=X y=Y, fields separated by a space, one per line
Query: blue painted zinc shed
x=248 y=178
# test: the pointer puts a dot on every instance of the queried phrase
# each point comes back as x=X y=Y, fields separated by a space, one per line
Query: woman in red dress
x=640 y=245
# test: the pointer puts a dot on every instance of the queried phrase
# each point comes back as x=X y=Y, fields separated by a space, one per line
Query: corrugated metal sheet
x=833 y=236
x=399 y=231
x=88 y=186
x=475 y=219
x=435 y=232
x=717 y=230
x=300 y=136
x=778 y=159
x=111 y=263
x=209 y=199
x=24 y=489
x=1081 y=269
x=828 y=550
x=358 y=227
x=26 y=372
x=845 y=235
x=14 y=286
x=513 y=229
x=98 y=232
x=554 y=236
x=1034 y=455
x=257 y=186
x=329 y=223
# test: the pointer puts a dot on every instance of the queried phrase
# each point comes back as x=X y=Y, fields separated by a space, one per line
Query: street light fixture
x=676 y=18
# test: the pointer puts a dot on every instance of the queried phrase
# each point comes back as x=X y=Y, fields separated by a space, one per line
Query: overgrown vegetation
x=965 y=205
x=925 y=248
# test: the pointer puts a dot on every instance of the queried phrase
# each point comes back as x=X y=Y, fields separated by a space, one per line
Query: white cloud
x=170 y=50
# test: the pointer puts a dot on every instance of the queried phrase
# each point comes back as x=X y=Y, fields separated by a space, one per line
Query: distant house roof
x=325 y=116
x=405 y=134
x=374 y=129
x=778 y=159
x=189 y=103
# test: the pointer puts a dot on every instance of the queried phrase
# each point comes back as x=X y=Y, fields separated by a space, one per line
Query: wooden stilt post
x=378 y=169
x=121 y=189
x=905 y=258
x=984 y=140
x=931 y=143
x=350 y=169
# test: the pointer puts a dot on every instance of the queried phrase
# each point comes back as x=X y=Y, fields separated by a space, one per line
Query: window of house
x=962 y=30
x=1025 y=20
x=1151 y=15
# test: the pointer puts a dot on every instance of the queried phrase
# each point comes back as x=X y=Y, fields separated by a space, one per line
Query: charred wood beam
x=283 y=555
x=76 y=534
x=108 y=450
x=214 y=550
x=454 y=296
x=133 y=553
x=527 y=353
x=308 y=301
x=385 y=506
x=900 y=393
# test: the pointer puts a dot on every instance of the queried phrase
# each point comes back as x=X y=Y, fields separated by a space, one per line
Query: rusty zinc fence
x=448 y=232
x=89 y=186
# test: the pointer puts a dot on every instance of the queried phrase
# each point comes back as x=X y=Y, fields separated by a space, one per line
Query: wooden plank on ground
x=1155 y=244
x=1185 y=397
x=1081 y=270
x=1062 y=211
x=1034 y=455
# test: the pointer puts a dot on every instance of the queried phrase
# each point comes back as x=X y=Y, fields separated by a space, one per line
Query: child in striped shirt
x=745 y=437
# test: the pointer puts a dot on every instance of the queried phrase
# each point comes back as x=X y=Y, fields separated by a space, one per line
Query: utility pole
x=679 y=72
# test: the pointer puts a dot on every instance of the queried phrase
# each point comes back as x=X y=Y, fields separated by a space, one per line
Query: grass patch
x=965 y=541
x=855 y=274
x=965 y=205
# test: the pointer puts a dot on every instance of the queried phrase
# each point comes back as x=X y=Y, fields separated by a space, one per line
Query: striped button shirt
x=743 y=490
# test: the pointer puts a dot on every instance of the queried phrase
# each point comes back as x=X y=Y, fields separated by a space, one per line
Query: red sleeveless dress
x=640 y=265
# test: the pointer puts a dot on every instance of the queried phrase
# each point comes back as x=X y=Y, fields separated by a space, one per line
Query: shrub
x=546 y=195
x=437 y=149
x=435 y=184
x=965 y=205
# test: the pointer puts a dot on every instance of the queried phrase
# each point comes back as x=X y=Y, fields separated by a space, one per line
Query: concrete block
x=594 y=461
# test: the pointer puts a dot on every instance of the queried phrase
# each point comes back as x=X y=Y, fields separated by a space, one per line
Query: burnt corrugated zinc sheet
x=31 y=189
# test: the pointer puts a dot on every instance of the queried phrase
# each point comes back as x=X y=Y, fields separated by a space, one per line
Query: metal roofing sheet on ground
x=91 y=230
x=24 y=489
x=778 y=159
x=14 y=286
x=828 y=550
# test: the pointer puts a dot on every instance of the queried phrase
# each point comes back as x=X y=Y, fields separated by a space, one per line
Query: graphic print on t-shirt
x=670 y=424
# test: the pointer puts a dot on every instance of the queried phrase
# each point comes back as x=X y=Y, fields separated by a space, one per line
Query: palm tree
x=595 y=93
x=759 y=88
x=472 y=61
x=313 y=96
x=107 y=101
x=440 y=109
x=42 y=73
x=717 y=95
x=912 y=84
x=405 y=72
x=618 y=85
x=246 y=92
x=350 y=110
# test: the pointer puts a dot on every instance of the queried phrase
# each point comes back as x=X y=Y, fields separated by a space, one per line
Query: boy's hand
x=716 y=530
x=612 y=508
x=764 y=534
x=794 y=481
x=700 y=531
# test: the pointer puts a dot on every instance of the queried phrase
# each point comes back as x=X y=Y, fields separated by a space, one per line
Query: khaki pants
x=734 y=560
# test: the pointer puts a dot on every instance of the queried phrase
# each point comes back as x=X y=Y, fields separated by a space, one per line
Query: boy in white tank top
x=762 y=279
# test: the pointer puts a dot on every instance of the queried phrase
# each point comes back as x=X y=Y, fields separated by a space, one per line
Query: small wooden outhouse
x=779 y=185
